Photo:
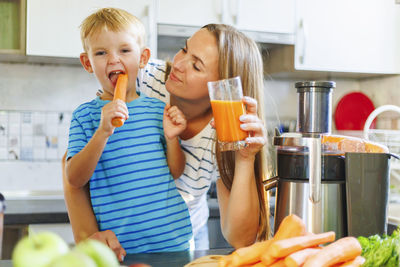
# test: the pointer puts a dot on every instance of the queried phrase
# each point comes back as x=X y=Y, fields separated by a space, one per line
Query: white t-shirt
x=201 y=167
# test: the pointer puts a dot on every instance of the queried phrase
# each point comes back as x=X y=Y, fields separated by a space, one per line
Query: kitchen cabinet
x=264 y=20
x=12 y=26
x=359 y=36
x=56 y=31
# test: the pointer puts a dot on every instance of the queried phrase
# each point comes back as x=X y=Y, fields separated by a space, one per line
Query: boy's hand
x=174 y=122
x=116 y=108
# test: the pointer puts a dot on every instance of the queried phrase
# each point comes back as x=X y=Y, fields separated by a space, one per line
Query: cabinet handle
x=302 y=27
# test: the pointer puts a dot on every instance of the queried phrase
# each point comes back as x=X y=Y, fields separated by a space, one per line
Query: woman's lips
x=173 y=77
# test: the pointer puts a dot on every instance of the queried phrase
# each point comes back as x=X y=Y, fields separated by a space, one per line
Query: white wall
x=62 y=88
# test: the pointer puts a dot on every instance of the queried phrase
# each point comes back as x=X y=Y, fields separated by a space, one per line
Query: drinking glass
x=227 y=106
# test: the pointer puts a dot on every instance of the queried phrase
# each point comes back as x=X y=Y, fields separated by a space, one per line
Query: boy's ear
x=84 y=58
x=144 y=57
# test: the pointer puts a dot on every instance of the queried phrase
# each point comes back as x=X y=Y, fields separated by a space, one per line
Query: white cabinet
x=53 y=26
x=264 y=20
x=358 y=36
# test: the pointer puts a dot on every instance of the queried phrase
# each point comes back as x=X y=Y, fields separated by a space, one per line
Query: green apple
x=38 y=249
x=99 y=252
x=73 y=258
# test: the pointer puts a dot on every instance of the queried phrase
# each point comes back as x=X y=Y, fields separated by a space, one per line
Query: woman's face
x=193 y=66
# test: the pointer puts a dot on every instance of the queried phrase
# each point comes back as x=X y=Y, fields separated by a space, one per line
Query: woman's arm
x=240 y=207
x=82 y=219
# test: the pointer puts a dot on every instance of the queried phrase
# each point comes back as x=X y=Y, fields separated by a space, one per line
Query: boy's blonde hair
x=113 y=19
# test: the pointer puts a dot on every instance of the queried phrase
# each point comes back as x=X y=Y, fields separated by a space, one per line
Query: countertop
x=166 y=259
x=35 y=211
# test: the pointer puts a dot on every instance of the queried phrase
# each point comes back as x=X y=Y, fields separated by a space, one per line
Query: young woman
x=214 y=52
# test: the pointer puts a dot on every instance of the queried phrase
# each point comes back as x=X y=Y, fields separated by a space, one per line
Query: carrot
x=299 y=257
x=357 y=261
x=282 y=248
x=291 y=226
x=120 y=93
x=344 y=249
x=279 y=263
x=250 y=254
x=225 y=261
x=259 y=264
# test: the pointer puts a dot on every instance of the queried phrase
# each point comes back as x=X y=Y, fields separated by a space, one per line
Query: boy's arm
x=81 y=166
x=174 y=124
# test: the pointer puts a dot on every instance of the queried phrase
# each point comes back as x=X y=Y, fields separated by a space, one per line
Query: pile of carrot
x=293 y=246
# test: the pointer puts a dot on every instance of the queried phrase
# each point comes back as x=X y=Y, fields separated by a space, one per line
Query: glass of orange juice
x=227 y=106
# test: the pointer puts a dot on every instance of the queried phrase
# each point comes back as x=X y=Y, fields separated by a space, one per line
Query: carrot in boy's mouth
x=120 y=93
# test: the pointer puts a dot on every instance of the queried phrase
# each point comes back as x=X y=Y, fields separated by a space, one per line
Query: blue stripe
x=131 y=189
x=150 y=220
x=125 y=173
x=163 y=241
x=155 y=235
x=137 y=206
x=152 y=227
x=145 y=212
x=131 y=198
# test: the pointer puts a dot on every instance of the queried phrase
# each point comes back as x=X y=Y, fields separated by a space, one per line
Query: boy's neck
x=130 y=95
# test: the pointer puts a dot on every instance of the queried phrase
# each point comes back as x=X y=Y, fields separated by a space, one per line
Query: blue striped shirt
x=201 y=166
x=132 y=191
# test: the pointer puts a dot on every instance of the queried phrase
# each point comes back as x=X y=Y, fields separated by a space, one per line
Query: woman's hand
x=109 y=238
x=252 y=124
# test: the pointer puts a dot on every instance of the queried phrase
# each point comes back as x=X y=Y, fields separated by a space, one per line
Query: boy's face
x=110 y=53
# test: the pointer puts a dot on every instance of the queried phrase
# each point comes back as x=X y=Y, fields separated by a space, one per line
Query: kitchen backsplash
x=31 y=93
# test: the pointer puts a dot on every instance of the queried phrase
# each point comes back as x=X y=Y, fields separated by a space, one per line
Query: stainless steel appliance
x=2 y=208
x=329 y=189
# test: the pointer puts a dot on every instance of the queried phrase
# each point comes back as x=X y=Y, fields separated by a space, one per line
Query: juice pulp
x=226 y=118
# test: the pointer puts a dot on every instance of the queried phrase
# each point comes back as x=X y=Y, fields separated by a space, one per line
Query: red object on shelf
x=352 y=111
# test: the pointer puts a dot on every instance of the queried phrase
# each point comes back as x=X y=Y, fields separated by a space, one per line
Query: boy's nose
x=113 y=58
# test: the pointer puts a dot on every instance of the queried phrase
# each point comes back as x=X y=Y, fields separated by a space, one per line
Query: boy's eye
x=126 y=50
x=100 y=53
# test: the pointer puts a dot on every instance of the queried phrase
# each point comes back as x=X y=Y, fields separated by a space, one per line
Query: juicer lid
x=314 y=86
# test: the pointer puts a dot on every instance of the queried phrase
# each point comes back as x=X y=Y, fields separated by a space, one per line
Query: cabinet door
x=54 y=30
x=189 y=12
x=264 y=15
x=348 y=36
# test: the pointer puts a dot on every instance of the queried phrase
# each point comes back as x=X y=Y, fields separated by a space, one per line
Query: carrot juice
x=226 y=118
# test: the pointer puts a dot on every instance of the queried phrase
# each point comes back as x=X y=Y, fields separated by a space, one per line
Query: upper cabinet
x=348 y=37
x=53 y=26
x=264 y=20
x=12 y=26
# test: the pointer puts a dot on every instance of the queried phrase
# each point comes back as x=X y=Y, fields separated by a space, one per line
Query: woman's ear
x=84 y=58
x=144 y=57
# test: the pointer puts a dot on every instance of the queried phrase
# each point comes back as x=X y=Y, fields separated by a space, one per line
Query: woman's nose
x=179 y=62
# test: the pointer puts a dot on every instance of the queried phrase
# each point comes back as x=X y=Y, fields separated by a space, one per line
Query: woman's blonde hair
x=113 y=19
x=240 y=56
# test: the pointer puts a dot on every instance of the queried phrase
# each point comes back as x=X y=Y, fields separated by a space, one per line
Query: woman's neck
x=198 y=114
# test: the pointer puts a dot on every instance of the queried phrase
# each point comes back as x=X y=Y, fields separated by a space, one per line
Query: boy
x=132 y=191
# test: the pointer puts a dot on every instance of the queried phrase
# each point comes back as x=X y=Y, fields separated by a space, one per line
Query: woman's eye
x=184 y=50
x=195 y=67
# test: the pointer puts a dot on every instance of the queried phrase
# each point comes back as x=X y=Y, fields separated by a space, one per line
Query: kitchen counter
x=35 y=211
x=170 y=259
